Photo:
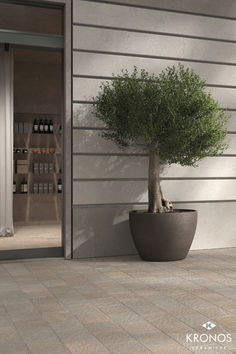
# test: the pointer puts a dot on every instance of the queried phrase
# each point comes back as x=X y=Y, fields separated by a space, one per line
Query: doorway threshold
x=44 y=252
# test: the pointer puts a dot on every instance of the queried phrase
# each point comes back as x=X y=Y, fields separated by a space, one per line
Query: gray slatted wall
x=108 y=182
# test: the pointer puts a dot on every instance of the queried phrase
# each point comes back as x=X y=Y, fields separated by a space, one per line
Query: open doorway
x=37 y=149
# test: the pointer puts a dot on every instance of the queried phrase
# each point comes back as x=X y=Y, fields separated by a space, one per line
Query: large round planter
x=165 y=236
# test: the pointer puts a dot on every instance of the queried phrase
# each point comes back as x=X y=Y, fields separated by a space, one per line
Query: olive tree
x=171 y=113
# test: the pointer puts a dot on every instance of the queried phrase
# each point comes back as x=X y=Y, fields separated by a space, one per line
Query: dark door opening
x=38 y=144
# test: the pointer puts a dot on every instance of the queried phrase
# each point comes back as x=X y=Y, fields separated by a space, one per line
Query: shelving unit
x=40 y=206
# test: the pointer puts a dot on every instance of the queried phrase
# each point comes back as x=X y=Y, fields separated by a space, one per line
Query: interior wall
x=38 y=95
x=108 y=182
x=31 y=19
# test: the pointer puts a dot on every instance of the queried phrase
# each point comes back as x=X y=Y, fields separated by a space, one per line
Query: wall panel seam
x=145 y=203
x=128 y=154
x=146 y=179
x=89 y=128
x=91 y=102
x=104 y=128
x=159 y=33
x=100 y=77
x=136 y=55
x=191 y=13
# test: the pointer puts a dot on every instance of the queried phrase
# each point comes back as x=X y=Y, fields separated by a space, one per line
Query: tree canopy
x=171 y=111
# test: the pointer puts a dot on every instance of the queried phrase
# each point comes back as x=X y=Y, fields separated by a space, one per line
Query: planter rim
x=164 y=213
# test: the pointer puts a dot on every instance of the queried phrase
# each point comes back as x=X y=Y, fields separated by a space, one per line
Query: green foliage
x=171 y=111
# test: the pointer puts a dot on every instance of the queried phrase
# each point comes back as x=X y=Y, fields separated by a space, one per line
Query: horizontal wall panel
x=87 y=167
x=87 y=89
x=83 y=116
x=101 y=232
x=110 y=167
x=151 y=44
x=225 y=8
x=232 y=122
x=99 y=192
x=96 y=64
x=90 y=141
x=211 y=229
x=156 y=21
x=104 y=231
x=231 y=140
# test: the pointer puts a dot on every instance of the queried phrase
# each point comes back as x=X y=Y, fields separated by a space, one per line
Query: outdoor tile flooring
x=117 y=305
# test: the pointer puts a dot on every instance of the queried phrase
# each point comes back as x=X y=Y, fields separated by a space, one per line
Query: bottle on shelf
x=51 y=167
x=40 y=188
x=59 y=186
x=45 y=187
x=36 y=167
x=46 y=169
x=14 y=186
x=50 y=187
x=50 y=127
x=46 y=127
x=24 y=186
x=41 y=126
x=35 y=188
x=35 y=126
x=41 y=168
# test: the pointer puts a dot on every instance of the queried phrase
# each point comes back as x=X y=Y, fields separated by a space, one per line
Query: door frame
x=67 y=122
x=66 y=6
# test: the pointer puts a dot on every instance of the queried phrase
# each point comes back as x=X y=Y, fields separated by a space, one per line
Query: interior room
x=33 y=84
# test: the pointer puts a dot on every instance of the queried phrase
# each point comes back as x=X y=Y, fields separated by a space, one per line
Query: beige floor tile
x=169 y=349
x=139 y=328
x=115 y=305
x=156 y=338
x=11 y=342
x=229 y=322
x=47 y=347
x=107 y=332
x=131 y=347
x=87 y=347
x=34 y=236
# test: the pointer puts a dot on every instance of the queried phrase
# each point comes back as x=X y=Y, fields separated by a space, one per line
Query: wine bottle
x=22 y=185
x=51 y=127
x=35 y=127
x=50 y=187
x=59 y=186
x=41 y=127
x=36 y=188
x=14 y=186
x=46 y=126
x=45 y=187
x=25 y=186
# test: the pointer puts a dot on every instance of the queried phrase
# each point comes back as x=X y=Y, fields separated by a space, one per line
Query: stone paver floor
x=118 y=305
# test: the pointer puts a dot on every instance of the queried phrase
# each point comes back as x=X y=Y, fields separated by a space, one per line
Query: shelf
x=20 y=153
x=42 y=134
x=37 y=194
x=39 y=114
x=17 y=193
x=21 y=134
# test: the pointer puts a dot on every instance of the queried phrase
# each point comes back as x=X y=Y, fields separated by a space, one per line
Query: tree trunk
x=154 y=188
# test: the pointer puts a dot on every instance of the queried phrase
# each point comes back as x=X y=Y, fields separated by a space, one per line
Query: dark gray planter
x=163 y=237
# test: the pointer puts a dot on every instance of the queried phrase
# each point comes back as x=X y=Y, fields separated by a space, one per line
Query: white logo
x=208 y=325
x=204 y=341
